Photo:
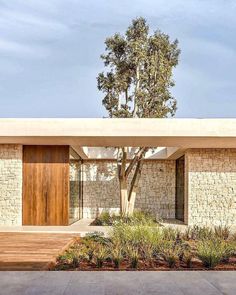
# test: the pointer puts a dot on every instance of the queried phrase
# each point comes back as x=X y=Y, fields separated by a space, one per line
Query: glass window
x=76 y=189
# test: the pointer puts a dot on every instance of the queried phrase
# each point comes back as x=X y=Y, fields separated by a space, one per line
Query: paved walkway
x=80 y=227
x=128 y=283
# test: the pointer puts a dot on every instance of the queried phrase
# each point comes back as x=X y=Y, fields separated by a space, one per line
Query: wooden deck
x=32 y=251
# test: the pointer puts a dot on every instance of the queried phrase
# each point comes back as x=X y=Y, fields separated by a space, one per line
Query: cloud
x=49 y=52
x=10 y=48
x=25 y=19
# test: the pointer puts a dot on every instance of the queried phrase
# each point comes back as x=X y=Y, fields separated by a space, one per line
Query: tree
x=137 y=84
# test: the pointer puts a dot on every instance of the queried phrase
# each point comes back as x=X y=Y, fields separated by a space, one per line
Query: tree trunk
x=123 y=196
x=134 y=187
x=135 y=109
x=128 y=192
x=131 y=203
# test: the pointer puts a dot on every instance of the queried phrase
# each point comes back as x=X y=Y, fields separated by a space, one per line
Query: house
x=57 y=171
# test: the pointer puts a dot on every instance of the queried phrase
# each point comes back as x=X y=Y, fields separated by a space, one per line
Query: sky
x=50 y=54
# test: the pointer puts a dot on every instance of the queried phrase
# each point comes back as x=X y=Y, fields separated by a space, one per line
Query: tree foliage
x=138 y=79
x=137 y=84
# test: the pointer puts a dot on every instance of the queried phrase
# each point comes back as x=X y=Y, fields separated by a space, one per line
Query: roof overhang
x=178 y=134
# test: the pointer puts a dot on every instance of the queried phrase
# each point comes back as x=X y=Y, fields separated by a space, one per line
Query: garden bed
x=124 y=266
x=145 y=245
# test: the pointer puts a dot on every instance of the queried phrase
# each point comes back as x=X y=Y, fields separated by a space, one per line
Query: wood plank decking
x=31 y=251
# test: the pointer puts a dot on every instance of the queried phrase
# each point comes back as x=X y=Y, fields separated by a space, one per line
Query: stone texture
x=10 y=184
x=156 y=191
x=211 y=186
x=74 y=191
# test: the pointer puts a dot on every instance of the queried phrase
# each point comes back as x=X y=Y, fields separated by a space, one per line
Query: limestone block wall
x=10 y=184
x=210 y=186
x=156 y=191
x=74 y=191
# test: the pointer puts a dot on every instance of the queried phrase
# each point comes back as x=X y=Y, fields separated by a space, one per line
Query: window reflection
x=76 y=194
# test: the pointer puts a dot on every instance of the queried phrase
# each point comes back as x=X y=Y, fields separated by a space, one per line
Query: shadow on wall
x=156 y=192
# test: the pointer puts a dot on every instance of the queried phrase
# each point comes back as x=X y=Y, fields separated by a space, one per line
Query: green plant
x=116 y=255
x=89 y=248
x=137 y=83
x=233 y=236
x=137 y=218
x=144 y=238
x=70 y=257
x=170 y=252
x=97 y=237
x=63 y=258
x=142 y=218
x=222 y=232
x=228 y=251
x=198 y=233
x=212 y=252
x=105 y=218
x=100 y=255
x=148 y=253
x=170 y=234
x=133 y=256
x=187 y=258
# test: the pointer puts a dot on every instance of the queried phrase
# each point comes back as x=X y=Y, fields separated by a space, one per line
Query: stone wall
x=211 y=187
x=74 y=191
x=156 y=191
x=10 y=184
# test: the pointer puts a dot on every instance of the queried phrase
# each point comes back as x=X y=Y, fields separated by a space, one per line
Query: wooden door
x=45 y=185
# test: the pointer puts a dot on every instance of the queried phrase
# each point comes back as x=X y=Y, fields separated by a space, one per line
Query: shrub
x=142 y=218
x=148 y=253
x=198 y=233
x=133 y=256
x=105 y=218
x=135 y=235
x=222 y=232
x=212 y=252
x=89 y=248
x=116 y=255
x=229 y=251
x=233 y=237
x=71 y=257
x=100 y=255
x=63 y=258
x=187 y=258
x=170 y=252
x=170 y=234
x=97 y=237
x=137 y=218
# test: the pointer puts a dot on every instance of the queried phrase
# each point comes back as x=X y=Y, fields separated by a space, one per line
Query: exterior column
x=10 y=184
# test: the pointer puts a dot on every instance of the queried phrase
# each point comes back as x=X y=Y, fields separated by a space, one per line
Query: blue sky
x=49 y=54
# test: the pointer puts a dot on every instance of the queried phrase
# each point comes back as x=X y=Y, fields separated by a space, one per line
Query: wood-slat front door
x=45 y=185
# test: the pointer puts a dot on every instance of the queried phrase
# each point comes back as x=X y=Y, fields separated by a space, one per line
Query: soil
x=157 y=266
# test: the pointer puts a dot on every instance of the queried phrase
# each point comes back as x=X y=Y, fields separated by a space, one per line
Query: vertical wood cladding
x=45 y=185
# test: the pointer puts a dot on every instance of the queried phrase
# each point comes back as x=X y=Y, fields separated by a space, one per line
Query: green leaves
x=138 y=75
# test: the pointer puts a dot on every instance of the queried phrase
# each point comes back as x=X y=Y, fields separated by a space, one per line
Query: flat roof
x=182 y=133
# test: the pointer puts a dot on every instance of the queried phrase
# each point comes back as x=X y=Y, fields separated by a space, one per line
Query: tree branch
x=119 y=162
x=123 y=162
x=136 y=158
x=135 y=92
x=135 y=178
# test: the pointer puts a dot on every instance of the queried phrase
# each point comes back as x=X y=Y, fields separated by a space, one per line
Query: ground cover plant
x=138 y=217
x=147 y=245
